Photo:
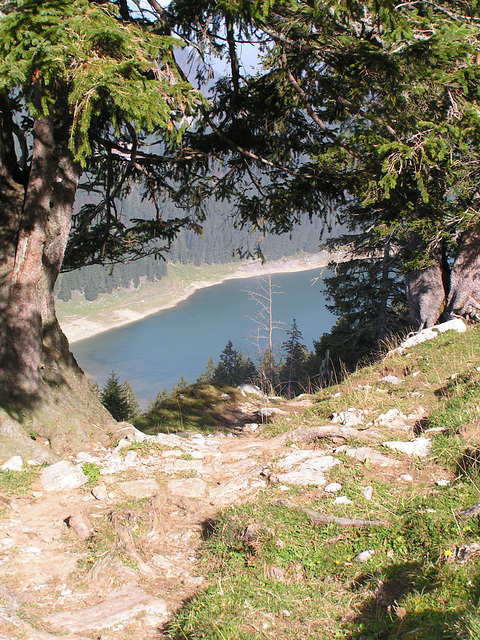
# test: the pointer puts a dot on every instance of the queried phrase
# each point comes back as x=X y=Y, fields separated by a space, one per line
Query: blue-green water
x=155 y=352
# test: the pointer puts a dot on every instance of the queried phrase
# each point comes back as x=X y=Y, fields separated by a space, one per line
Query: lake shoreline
x=160 y=298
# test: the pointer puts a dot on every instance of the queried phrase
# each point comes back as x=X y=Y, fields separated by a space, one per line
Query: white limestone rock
x=393 y=418
x=333 y=487
x=143 y=488
x=63 y=476
x=15 y=463
x=366 y=455
x=418 y=447
x=305 y=467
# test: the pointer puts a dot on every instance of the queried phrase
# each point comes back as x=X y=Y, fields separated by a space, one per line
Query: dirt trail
x=160 y=497
x=120 y=564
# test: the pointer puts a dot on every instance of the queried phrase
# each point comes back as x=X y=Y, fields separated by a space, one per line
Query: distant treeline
x=218 y=244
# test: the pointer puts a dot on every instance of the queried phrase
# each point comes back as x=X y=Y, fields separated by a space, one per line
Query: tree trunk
x=41 y=385
x=384 y=293
x=464 y=298
x=426 y=291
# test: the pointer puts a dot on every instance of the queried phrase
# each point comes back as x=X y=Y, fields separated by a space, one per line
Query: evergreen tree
x=233 y=368
x=82 y=86
x=294 y=371
x=207 y=377
x=132 y=400
x=366 y=106
x=114 y=399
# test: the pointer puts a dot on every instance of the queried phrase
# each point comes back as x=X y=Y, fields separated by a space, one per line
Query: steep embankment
x=344 y=518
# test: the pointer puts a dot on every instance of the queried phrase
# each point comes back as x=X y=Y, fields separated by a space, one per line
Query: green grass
x=199 y=407
x=16 y=483
x=272 y=574
x=275 y=575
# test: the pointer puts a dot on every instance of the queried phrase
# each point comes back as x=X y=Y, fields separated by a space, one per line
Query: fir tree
x=82 y=86
x=207 y=377
x=132 y=400
x=114 y=399
x=293 y=372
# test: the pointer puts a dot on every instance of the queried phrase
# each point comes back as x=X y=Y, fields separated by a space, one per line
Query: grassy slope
x=273 y=574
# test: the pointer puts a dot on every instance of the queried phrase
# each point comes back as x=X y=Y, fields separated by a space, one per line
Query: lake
x=155 y=352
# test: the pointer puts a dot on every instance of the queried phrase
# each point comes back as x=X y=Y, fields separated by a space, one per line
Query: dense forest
x=219 y=242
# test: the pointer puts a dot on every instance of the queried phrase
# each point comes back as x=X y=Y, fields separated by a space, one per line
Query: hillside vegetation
x=275 y=573
x=207 y=519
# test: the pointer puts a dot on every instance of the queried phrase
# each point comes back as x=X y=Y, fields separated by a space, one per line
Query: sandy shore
x=138 y=307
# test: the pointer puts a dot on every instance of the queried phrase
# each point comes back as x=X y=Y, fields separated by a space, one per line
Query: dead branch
x=471 y=511
x=325 y=518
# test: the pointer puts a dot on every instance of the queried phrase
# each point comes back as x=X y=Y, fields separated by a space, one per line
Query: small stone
x=333 y=487
x=81 y=525
x=391 y=380
x=406 y=477
x=364 y=556
x=99 y=492
x=15 y=463
x=131 y=457
x=342 y=500
x=442 y=483
x=367 y=492
x=63 y=475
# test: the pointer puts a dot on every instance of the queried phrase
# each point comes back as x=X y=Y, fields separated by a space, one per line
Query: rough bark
x=427 y=288
x=464 y=298
x=41 y=386
x=383 y=293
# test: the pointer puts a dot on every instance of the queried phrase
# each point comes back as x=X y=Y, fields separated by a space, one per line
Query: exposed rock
x=391 y=380
x=15 y=463
x=188 y=487
x=310 y=467
x=349 y=418
x=392 y=418
x=417 y=447
x=333 y=487
x=62 y=476
x=119 y=606
x=99 y=492
x=364 y=556
x=342 y=500
x=252 y=389
x=270 y=412
x=81 y=525
x=143 y=488
x=367 y=492
x=366 y=455
x=406 y=477
x=228 y=492
x=456 y=324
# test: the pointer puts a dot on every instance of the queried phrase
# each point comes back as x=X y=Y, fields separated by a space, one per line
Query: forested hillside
x=218 y=243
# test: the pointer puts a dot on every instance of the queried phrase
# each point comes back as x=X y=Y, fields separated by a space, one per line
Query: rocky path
x=117 y=560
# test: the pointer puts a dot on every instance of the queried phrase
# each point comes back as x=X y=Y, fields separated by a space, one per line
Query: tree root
x=306 y=434
x=126 y=542
x=471 y=511
x=324 y=518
